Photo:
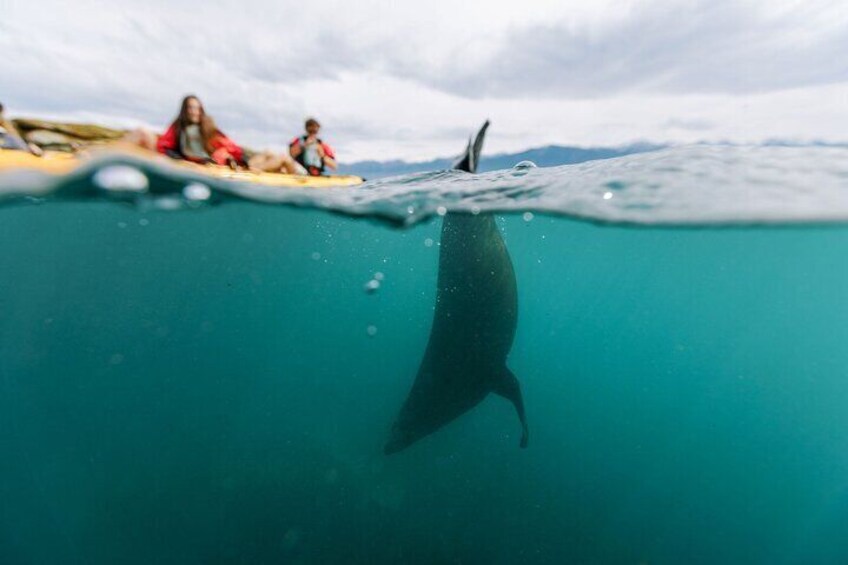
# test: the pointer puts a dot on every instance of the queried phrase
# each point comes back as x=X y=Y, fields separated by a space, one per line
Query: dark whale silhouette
x=473 y=326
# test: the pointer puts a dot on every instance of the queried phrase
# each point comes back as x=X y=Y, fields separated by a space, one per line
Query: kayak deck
x=57 y=163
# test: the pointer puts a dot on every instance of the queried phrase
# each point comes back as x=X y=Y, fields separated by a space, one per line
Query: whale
x=474 y=324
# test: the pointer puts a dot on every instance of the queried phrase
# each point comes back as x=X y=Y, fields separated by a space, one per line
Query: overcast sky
x=412 y=79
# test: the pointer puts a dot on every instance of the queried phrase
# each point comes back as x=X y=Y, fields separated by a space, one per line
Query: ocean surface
x=196 y=373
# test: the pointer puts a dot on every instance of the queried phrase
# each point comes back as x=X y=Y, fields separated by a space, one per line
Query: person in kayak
x=193 y=136
x=311 y=152
x=10 y=138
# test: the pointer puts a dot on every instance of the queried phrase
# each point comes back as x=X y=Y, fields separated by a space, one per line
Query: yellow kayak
x=56 y=163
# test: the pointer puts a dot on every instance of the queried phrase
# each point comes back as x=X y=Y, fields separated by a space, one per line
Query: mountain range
x=548 y=156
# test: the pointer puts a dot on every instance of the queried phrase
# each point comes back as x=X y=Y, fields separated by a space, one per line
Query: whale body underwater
x=473 y=327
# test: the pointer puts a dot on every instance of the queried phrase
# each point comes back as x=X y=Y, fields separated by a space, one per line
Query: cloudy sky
x=410 y=80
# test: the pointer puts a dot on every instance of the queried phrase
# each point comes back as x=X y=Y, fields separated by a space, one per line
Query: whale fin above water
x=473 y=326
x=469 y=160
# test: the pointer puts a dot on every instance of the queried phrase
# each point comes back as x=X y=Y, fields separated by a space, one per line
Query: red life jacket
x=221 y=145
x=312 y=169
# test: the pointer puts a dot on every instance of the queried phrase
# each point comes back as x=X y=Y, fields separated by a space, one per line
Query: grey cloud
x=130 y=63
x=688 y=124
x=703 y=46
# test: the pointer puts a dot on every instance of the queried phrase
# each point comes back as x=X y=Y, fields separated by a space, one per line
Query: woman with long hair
x=193 y=136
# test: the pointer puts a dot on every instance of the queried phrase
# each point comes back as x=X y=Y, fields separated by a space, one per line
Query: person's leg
x=292 y=167
x=268 y=162
x=257 y=161
x=144 y=138
x=265 y=162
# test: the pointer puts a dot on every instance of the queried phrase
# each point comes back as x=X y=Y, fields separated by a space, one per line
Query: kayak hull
x=57 y=163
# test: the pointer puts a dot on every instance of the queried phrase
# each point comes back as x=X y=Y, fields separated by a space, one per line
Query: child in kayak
x=192 y=136
x=311 y=152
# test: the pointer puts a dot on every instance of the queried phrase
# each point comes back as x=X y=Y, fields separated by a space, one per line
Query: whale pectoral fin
x=508 y=387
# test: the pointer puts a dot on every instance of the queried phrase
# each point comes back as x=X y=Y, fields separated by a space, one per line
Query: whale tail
x=470 y=159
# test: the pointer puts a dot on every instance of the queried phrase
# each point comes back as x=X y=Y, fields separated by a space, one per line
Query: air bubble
x=316 y=256
x=120 y=178
x=197 y=192
x=607 y=195
x=528 y=216
x=168 y=203
x=379 y=276
x=144 y=222
x=372 y=286
x=475 y=210
x=441 y=210
x=371 y=331
x=428 y=242
x=525 y=165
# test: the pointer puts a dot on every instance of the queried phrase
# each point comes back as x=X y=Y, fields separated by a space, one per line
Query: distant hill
x=549 y=156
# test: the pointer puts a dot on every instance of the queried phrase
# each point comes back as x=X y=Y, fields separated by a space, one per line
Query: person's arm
x=329 y=157
x=295 y=148
x=225 y=149
x=330 y=163
x=167 y=143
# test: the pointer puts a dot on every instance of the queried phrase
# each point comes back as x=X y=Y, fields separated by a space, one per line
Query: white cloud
x=397 y=79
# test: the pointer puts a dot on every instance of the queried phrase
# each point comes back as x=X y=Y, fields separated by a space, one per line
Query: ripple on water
x=688 y=185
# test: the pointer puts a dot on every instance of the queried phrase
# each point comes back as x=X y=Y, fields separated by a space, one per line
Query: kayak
x=58 y=163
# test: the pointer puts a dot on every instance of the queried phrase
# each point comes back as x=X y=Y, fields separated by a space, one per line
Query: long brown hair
x=208 y=129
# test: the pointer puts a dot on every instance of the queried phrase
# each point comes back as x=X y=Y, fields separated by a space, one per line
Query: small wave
x=702 y=185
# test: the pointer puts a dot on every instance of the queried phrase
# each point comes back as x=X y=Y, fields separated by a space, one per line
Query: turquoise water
x=215 y=385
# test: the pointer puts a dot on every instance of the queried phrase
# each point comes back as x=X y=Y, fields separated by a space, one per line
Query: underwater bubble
x=167 y=203
x=120 y=177
x=116 y=359
x=525 y=165
x=441 y=210
x=410 y=209
x=197 y=191
x=428 y=242
x=122 y=225
x=247 y=238
x=607 y=195
x=378 y=276
x=371 y=330
x=316 y=256
x=144 y=222
x=372 y=286
x=528 y=216
x=475 y=210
